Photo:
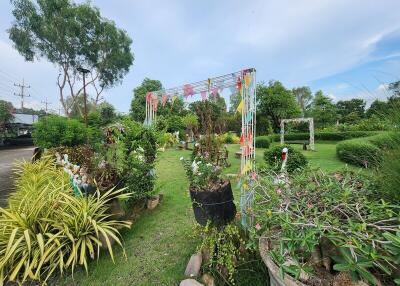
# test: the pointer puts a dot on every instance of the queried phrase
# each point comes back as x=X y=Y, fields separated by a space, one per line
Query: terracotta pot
x=153 y=202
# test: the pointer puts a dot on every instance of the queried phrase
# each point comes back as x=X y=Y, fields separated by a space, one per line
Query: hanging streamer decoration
x=203 y=95
x=188 y=90
x=243 y=84
x=164 y=99
x=214 y=92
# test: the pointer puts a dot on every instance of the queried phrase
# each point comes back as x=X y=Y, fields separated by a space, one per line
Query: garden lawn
x=324 y=157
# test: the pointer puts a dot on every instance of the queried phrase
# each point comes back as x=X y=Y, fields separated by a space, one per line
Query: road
x=8 y=157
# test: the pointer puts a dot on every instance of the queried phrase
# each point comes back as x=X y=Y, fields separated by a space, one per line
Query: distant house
x=22 y=123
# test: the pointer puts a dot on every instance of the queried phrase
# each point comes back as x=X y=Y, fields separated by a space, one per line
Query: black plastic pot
x=215 y=206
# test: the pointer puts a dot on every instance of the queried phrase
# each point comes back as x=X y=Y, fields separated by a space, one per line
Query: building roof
x=27 y=119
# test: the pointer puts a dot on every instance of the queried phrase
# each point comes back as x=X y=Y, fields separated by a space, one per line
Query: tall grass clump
x=46 y=228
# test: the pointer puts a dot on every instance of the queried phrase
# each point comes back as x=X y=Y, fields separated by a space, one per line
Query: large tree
x=351 y=110
x=72 y=35
x=276 y=102
x=138 y=104
x=323 y=110
x=6 y=115
x=304 y=98
x=377 y=108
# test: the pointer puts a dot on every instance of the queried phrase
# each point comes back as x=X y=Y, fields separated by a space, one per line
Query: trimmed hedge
x=263 y=142
x=367 y=151
x=328 y=136
x=358 y=152
x=296 y=159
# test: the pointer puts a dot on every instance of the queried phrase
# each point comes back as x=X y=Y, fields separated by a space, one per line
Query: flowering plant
x=315 y=223
x=201 y=173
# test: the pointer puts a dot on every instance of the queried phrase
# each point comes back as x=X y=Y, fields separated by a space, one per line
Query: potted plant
x=212 y=197
x=319 y=229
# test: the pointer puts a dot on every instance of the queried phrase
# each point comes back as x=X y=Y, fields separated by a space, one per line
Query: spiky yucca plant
x=45 y=227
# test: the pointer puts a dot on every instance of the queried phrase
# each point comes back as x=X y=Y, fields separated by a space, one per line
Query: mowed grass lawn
x=160 y=242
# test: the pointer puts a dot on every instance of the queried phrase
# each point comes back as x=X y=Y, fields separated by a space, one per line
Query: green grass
x=324 y=157
x=160 y=242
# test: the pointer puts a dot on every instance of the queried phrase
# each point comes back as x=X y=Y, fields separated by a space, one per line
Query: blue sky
x=346 y=48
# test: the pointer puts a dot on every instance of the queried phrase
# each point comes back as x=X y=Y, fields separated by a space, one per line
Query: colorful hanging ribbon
x=240 y=106
x=149 y=96
x=155 y=104
x=238 y=83
x=247 y=79
x=188 y=90
x=214 y=91
x=204 y=95
x=164 y=99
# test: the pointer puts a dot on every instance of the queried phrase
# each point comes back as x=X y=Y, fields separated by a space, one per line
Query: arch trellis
x=310 y=121
x=244 y=82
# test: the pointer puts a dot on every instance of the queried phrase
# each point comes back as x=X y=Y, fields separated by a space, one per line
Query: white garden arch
x=243 y=82
x=310 y=121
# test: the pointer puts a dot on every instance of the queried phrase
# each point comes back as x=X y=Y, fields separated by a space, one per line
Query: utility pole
x=22 y=94
x=46 y=104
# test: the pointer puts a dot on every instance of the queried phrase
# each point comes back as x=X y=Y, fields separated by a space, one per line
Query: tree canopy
x=276 y=102
x=304 y=98
x=5 y=112
x=351 y=110
x=72 y=35
x=323 y=110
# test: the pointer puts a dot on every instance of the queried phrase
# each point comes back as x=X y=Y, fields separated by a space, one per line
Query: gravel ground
x=8 y=156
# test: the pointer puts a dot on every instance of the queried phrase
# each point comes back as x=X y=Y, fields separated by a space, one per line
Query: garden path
x=8 y=157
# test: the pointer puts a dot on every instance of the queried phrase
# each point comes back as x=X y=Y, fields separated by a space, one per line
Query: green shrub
x=230 y=138
x=359 y=152
x=385 y=141
x=263 y=142
x=296 y=160
x=367 y=151
x=46 y=228
x=388 y=176
x=324 y=136
x=131 y=151
x=53 y=131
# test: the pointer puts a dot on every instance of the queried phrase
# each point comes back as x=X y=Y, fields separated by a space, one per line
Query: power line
x=22 y=94
x=46 y=103
x=10 y=76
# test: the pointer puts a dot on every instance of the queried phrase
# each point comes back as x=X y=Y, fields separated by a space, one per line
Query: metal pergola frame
x=244 y=82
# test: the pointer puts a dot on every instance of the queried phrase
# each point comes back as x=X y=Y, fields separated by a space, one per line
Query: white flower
x=197 y=144
x=195 y=168
x=199 y=174
x=181 y=158
x=209 y=164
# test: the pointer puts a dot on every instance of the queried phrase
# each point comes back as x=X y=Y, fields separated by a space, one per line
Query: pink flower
x=258 y=226
x=309 y=205
x=279 y=191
